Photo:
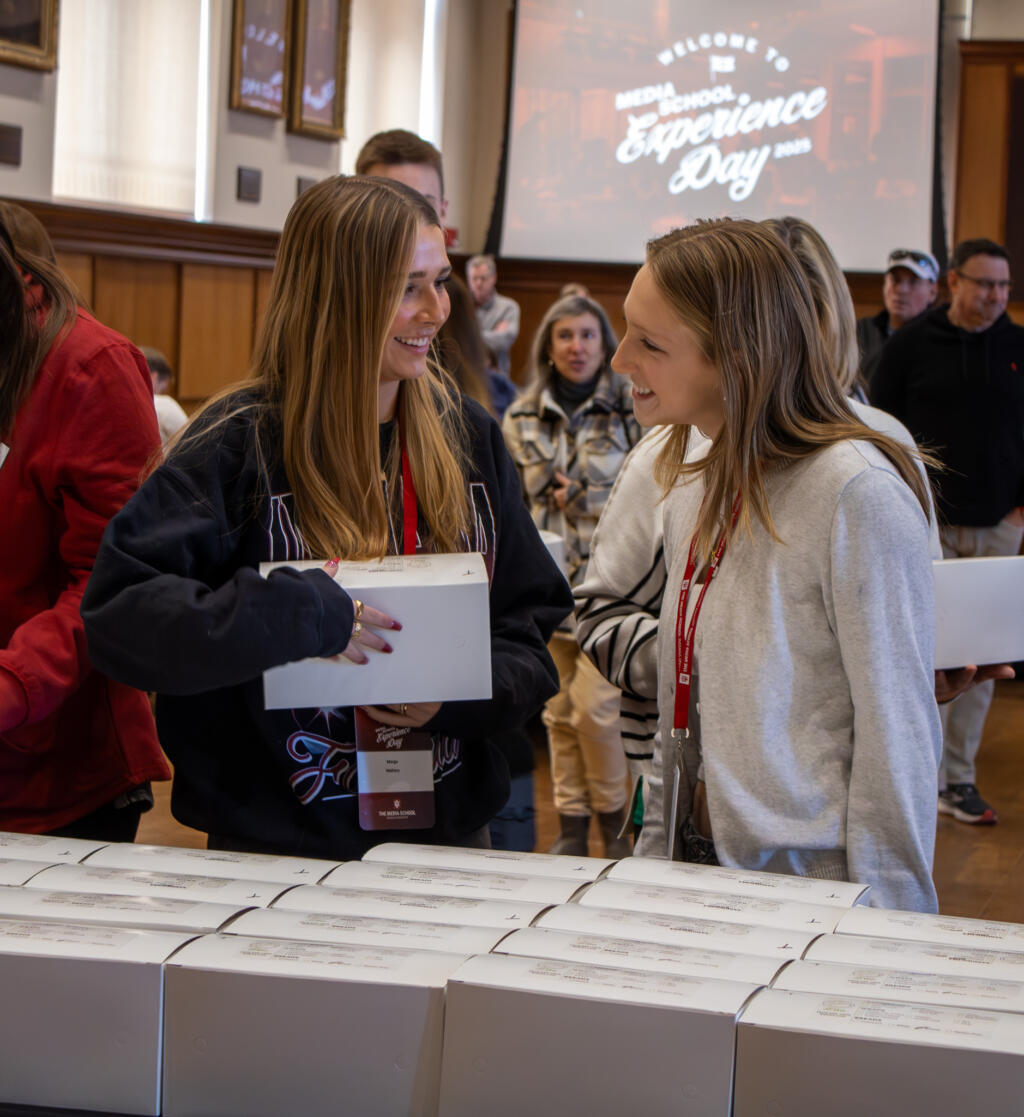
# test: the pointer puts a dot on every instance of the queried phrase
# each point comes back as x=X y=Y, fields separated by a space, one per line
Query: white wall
x=247 y=140
x=28 y=98
x=997 y=19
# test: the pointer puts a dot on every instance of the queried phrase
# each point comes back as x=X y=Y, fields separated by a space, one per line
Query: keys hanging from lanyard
x=685 y=632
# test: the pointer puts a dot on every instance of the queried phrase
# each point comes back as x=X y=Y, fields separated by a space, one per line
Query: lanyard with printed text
x=685 y=632
x=409 y=510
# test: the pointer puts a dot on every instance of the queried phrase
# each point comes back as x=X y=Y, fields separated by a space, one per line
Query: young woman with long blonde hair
x=803 y=736
x=309 y=459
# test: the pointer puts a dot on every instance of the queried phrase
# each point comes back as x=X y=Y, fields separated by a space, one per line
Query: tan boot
x=572 y=839
x=616 y=844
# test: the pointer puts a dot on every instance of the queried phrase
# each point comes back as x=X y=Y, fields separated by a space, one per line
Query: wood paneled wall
x=196 y=292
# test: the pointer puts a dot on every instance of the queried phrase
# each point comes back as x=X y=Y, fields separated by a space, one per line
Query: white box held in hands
x=979 y=610
x=441 y=654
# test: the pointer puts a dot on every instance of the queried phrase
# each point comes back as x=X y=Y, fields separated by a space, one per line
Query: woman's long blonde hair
x=341 y=270
x=746 y=298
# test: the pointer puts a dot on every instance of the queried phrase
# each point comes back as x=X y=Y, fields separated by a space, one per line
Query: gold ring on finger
x=357 y=608
x=356 y=629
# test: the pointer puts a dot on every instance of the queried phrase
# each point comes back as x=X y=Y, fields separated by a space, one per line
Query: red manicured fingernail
x=387 y=649
x=396 y=626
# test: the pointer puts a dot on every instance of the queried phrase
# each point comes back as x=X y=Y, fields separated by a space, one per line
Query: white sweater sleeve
x=879 y=592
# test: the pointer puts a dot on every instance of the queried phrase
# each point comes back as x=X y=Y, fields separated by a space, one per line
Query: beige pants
x=588 y=766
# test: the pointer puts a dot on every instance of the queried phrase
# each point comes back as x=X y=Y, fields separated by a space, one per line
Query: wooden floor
x=979 y=870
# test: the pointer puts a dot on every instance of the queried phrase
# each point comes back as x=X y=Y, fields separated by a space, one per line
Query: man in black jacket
x=955 y=378
x=908 y=289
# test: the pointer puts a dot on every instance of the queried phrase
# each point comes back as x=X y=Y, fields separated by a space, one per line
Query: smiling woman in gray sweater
x=813 y=736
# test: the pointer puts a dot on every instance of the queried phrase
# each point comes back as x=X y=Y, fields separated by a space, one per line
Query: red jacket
x=71 y=740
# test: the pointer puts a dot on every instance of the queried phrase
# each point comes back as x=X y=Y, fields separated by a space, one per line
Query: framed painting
x=319 y=62
x=260 y=55
x=28 y=33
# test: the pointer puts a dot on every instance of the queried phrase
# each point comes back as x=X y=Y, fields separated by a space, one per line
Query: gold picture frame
x=260 y=56
x=320 y=31
x=28 y=34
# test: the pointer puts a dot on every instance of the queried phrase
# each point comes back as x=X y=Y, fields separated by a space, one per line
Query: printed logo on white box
x=605 y=983
x=123 y=882
x=655 y=927
x=864 y=1018
x=899 y=985
x=737 y=882
x=918 y=957
x=212 y=863
x=451 y=882
x=580 y=869
x=818 y=918
x=629 y=954
x=366 y=931
x=460 y=910
x=953 y=930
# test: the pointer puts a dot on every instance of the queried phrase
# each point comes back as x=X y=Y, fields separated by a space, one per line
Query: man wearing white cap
x=909 y=288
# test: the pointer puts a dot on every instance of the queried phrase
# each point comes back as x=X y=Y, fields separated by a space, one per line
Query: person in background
x=466 y=356
x=170 y=415
x=953 y=377
x=339 y=446
x=498 y=316
x=569 y=434
x=405 y=157
x=573 y=289
x=781 y=710
x=908 y=289
x=77 y=428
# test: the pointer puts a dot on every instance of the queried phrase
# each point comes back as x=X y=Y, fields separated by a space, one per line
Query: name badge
x=395 y=769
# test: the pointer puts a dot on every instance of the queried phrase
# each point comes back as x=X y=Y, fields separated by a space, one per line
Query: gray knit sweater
x=820 y=733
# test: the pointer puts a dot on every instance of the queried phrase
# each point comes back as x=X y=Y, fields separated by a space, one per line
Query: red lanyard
x=685 y=632
x=409 y=511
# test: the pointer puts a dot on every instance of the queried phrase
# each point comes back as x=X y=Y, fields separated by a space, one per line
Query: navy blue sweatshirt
x=176 y=605
x=961 y=395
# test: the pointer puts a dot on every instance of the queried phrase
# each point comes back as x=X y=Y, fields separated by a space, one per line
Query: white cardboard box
x=360 y=930
x=81 y=1026
x=579 y=869
x=269 y=1028
x=979 y=610
x=952 y=930
x=918 y=957
x=212 y=863
x=988 y=994
x=124 y=882
x=525 y=1035
x=17 y=871
x=628 y=954
x=461 y=910
x=737 y=882
x=441 y=654
x=451 y=882
x=43 y=847
x=153 y=913
x=672 y=930
x=814 y=918
x=809 y=1054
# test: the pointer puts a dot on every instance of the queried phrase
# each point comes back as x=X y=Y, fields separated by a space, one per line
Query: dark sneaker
x=963 y=802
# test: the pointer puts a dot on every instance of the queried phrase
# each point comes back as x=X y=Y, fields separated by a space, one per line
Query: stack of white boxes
x=425 y=980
